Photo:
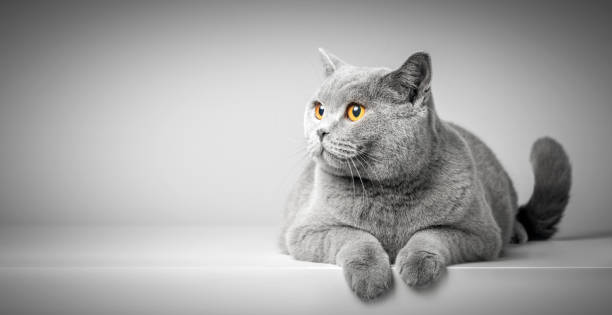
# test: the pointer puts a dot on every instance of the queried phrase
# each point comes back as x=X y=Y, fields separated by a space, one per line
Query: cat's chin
x=332 y=164
x=331 y=169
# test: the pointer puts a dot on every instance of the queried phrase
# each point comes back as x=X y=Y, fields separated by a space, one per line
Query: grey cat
x=391 y=183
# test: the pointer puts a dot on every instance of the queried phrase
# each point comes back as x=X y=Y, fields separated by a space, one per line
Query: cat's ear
x=331 y=63
x=412 y=80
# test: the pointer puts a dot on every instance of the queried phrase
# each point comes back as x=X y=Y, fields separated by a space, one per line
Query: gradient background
x=141 y=113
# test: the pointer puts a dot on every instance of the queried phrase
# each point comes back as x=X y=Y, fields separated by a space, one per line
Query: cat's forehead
x=351 y=84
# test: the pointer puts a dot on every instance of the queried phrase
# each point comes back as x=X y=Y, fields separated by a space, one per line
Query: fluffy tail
x=553 y=178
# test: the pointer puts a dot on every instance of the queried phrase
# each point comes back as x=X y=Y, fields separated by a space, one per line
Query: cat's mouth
x=334 y=159
x=339 y=150
x=330 y=156
x=339 y=157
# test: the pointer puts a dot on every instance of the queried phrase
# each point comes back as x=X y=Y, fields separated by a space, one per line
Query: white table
x=238 y=270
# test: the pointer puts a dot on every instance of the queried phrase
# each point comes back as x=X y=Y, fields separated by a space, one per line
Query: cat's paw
x=368 y=274
x=420 y=269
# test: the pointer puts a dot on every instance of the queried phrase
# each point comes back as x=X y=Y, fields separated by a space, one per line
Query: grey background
x=191 y=113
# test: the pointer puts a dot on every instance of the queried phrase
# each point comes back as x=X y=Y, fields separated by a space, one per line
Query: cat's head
x=375 y=123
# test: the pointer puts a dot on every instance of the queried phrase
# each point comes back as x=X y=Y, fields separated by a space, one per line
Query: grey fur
x=400 y=185
x=553 y=179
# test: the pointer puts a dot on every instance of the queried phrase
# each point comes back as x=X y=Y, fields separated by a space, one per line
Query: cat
x=389 y=182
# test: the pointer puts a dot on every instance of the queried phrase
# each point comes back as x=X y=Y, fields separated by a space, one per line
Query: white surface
x=237 y=270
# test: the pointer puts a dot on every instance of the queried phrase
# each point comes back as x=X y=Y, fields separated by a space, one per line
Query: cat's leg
x=364 y=262
x=425 y=257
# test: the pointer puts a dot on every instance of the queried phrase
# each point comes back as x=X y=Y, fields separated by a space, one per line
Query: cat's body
x=405 y=187
x=393 y=213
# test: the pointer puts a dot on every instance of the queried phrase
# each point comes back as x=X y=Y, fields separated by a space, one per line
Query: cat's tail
x=553 y=179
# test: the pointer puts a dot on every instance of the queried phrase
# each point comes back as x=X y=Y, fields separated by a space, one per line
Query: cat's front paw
x=421 y=268
x=368 y=274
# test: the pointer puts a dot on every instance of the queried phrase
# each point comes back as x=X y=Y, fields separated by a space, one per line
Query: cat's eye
x=355 y=111
x=319 y=110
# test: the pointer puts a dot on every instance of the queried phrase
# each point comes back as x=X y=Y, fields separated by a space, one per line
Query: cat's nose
x=322 y=133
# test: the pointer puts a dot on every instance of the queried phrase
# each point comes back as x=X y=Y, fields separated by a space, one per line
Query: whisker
x=370 y=170
x=373 y=157
x=364 y=194
x=352 y=178
x=301 y=150
x=341 y=150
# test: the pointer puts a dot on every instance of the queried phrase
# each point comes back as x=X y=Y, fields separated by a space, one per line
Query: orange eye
x=354 y=111
x=319 y=110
